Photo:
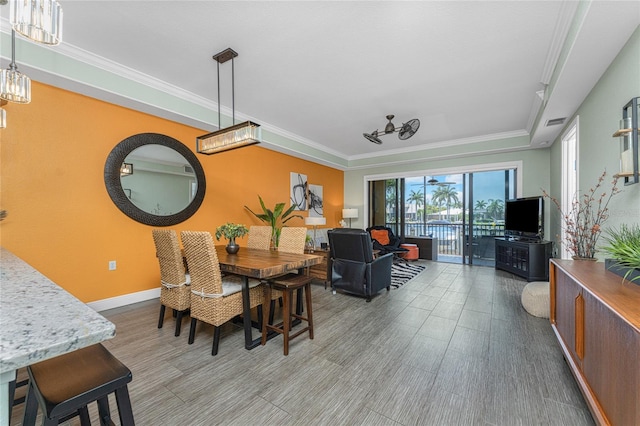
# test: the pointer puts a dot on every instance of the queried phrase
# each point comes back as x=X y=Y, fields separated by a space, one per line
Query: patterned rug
x=402 y=272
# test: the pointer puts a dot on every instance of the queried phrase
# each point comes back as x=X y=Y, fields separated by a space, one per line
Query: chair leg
x=272 y=310
x=307 y=292
x=216 y=340
x=30 y=408
x=260 y=309
x=12 y=395
x=161 y=319
x=286 y=319
x=104 y=412
x=178 y=322
x=124 y=406
x=267 y=312
x=192 y=330
x=83 y=413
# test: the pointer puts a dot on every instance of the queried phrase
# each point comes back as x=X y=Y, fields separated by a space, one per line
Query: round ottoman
x=412 y=253
x=536 y=299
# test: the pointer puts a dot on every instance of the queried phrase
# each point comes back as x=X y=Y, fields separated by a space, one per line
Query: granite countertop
x=39 y=319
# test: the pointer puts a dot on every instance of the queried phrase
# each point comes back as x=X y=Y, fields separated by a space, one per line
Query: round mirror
x=154 y=179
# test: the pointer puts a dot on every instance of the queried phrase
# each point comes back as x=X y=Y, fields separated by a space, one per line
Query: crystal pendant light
x=232 y=137
x=38 y=20
x=3 y=118
x=14 y=86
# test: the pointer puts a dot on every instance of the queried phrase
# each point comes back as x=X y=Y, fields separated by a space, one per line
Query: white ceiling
x=325 y=72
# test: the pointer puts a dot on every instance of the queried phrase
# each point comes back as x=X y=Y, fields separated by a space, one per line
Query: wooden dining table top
x=256 y=263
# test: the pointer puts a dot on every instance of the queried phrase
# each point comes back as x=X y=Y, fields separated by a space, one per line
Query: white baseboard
x=126 y=299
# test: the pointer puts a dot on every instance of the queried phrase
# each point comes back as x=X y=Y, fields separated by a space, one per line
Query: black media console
x=525 y=258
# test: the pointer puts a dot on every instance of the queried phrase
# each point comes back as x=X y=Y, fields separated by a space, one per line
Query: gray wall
x=599 y=116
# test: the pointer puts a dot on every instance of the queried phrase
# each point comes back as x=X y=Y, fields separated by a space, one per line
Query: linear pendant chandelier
x=38 y=20
x=236 y=135
x=14 y=86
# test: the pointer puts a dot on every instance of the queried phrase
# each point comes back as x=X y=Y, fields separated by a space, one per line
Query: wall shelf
x=629 y=144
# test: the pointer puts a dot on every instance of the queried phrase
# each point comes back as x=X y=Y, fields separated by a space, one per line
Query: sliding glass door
x=464 y=211
x=485 y=195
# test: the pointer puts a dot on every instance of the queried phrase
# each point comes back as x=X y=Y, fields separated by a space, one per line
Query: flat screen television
x=524 y=218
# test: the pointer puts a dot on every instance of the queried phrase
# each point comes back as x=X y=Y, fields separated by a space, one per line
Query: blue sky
x=487 y=185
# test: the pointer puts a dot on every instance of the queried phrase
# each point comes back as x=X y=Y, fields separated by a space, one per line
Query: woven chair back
x=259 y=237
x=202 y=261
x=292 y=239
x=169 y=256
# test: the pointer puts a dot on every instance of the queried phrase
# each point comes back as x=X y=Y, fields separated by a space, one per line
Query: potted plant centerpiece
x=583 y=222
x=275 y=218
x=624 y=248
x=231 y=231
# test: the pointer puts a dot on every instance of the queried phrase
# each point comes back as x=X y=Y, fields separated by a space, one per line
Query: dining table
x=260 y=264
x=39 y=320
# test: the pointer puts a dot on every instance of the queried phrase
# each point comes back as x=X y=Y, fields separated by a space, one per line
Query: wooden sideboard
x=319 y=271
x=596 y=318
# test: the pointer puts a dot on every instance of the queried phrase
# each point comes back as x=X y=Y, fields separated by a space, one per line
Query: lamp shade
x=232 y=137
x=38 y=20
x=315 y=221
x=349 y=213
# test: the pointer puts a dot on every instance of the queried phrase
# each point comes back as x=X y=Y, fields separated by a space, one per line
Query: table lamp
x=315 y=221
x=349 y=214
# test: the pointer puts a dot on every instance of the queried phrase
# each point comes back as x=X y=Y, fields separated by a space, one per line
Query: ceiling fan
x=405 y=131
x=434 y=181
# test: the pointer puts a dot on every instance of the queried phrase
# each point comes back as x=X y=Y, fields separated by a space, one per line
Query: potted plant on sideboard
x=624 y=248
x=231 y=231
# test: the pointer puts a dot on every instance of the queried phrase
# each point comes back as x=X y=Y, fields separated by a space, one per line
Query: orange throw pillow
x=381 y=236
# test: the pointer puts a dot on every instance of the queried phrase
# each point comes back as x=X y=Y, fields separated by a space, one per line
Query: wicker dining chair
x=175 y=292
x=214 y=299
x=259 y=237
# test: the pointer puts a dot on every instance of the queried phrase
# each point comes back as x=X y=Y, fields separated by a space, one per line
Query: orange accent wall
x=61 y=219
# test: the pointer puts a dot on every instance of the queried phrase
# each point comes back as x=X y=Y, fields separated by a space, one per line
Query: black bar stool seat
x=63 y=387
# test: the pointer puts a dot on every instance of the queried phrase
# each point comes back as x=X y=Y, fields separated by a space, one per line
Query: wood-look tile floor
x=452 y=347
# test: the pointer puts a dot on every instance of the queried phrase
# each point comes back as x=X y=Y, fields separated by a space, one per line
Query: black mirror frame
x=116 y=192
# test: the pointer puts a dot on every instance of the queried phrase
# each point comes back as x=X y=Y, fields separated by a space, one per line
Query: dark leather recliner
x=353 y=267
x=393 y=246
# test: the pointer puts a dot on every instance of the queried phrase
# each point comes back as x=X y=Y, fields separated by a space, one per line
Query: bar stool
x=63 y=387
x=287 y=284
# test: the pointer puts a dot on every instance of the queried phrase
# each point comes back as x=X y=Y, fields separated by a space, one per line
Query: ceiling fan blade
x=409 y=129
x=372 y=138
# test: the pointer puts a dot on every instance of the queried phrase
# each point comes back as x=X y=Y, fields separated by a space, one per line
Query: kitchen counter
x=39 y=320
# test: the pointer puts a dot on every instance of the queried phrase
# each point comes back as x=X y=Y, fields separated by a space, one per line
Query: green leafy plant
x=583 y=222
x=231 y=231
x=624 y=247
x=275 y=218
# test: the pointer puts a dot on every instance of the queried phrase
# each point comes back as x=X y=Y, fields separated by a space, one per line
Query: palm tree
x=416 y=197
x=481 y=206
x=495 y=209
x=445 y=195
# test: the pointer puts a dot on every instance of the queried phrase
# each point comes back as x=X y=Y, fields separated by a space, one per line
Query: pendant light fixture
x=38 y=20
x=236 y=135
x=14 y=86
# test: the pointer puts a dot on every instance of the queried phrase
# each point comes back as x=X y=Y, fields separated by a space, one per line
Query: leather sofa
x=353 y=267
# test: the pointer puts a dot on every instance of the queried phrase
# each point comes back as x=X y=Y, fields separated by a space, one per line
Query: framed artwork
x=315 y=201
x=298 y=191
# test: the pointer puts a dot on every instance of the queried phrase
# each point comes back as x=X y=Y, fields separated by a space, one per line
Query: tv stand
x=527 y=259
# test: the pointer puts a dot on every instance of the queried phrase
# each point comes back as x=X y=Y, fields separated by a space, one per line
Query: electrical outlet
x=112 y=265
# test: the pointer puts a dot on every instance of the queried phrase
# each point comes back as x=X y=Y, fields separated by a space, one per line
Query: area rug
x=402 y=272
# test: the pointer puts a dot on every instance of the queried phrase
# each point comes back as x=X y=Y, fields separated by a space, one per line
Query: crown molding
x=444 y=144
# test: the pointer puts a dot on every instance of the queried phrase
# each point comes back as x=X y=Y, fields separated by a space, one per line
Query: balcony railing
x=450 y=235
